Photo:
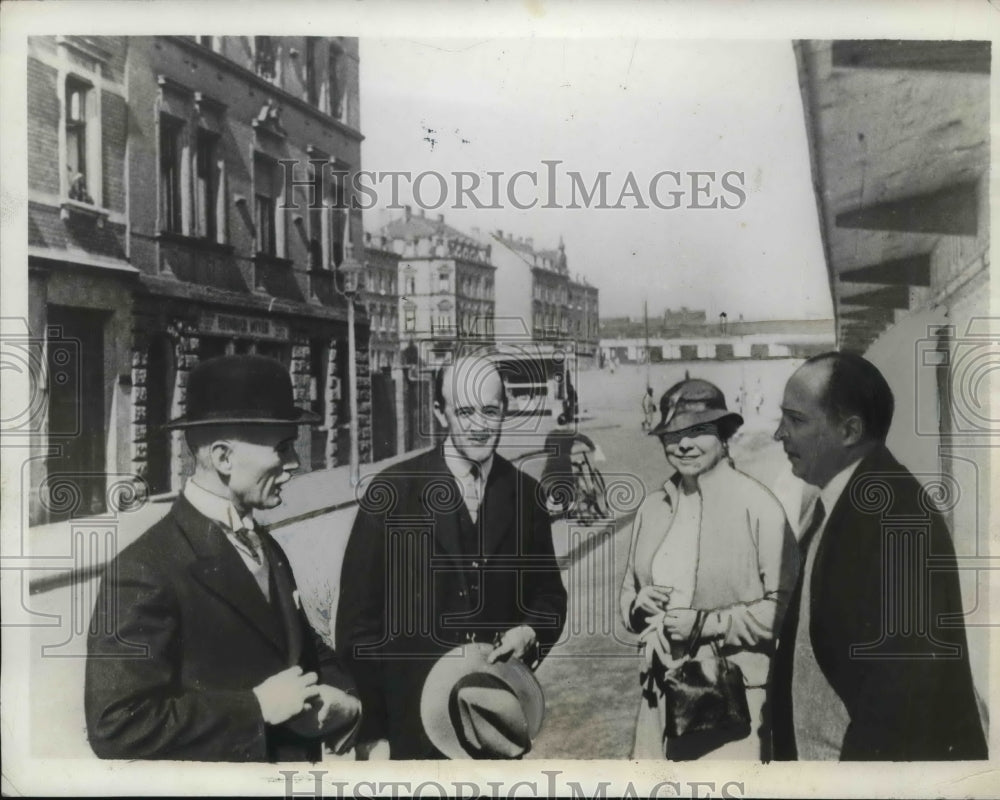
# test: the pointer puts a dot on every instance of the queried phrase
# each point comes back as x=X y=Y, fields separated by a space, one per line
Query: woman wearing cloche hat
x=711 y=565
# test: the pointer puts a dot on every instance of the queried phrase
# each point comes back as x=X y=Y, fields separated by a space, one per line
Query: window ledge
x=274 y=261
x=69 y=208
x=194 y=241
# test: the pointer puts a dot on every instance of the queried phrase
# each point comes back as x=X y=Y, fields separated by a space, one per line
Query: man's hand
x=679 y=622
x=652 y=598
x=516 y=642
x=374 y=750
x=337 y=708
x=285 y=694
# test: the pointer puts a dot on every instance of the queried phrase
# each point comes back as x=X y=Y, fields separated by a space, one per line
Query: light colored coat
x=747 y=563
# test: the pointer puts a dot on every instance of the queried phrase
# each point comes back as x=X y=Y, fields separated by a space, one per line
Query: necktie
x=474 y=494
x=819 y=514
x=244 y=538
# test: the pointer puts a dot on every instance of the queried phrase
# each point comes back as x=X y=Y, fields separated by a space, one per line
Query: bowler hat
x=692 y=402
x=474 y=709
x=243 y=390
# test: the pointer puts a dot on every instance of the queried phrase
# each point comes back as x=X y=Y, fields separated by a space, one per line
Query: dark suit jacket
x=413 y=587
x=910 y=695
x=181 y=634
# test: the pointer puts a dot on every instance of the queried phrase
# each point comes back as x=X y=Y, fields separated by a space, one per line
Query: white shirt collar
x=830 y=493
x=460 y=466
x=219 y=509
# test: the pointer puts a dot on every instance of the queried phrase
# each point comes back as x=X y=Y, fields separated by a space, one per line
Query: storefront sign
x=236 y=325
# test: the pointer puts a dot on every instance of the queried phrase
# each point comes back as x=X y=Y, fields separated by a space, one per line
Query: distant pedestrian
x=648 y=409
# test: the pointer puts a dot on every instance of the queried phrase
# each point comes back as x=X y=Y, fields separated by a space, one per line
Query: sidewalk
x=312 y=525
x=61 y=553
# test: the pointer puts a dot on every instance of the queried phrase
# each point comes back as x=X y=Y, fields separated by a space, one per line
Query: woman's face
x=694 y=451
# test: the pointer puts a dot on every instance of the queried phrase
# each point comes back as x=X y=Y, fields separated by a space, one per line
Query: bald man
x=448 y=547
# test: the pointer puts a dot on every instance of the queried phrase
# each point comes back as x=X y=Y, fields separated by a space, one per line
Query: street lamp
x=351 y=275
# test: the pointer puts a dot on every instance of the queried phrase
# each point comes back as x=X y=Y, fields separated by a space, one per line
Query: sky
x=615 y=105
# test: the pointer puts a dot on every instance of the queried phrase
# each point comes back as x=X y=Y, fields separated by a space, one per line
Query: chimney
x=423 y=213
x=407 y=212
x=530 y=241
x=440 y=217
x=499 y=233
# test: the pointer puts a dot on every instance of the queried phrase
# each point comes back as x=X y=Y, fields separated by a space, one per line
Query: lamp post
x=351 y=275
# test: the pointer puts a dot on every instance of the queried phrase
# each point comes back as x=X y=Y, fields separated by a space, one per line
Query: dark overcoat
x=419 y=577
x=181 y=634
x=886 y=625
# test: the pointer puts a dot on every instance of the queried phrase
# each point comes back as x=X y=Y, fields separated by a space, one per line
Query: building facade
x=446 y=285
x=189 y=199
x=538 y=298
x=899 y=141
x=380 y=297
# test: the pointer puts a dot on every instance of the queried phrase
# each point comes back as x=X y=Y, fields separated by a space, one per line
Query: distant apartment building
x=445 y=283
x=380 y=297
x=538 y=298
x=162 y=232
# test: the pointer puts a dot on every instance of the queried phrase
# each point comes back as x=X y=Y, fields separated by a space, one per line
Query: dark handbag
x=705 y=700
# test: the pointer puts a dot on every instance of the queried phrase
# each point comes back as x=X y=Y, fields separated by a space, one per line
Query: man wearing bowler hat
x=199 y=648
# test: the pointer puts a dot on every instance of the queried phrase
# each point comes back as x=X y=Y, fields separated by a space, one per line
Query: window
x=77 y=115
x=312 y=95
x=411 y=284
x=317 y=260
x=334 y=93
x=409 y=317
x=265 y=205
x=170 y=175
x=339 y=217
x=265 y=57
x=208 y=202
x=443 y=280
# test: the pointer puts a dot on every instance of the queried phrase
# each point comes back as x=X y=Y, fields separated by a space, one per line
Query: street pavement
x=590 y=679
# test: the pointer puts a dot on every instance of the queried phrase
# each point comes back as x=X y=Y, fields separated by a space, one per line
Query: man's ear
x=222 y=456
x=439 y=414
x=853 y=429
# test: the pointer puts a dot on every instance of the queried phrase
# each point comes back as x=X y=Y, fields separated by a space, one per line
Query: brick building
x=80 y=280
x=209 y=253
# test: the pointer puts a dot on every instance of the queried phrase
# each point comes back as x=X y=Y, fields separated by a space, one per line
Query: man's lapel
x=441 y=499
x=844 y=522
x=220 y=570
x=501 y=500
x=283 y=596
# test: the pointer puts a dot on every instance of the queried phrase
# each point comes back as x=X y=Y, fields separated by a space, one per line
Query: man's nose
x=779 y=432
